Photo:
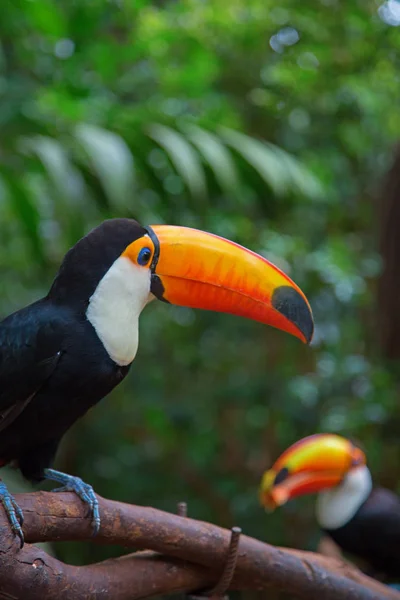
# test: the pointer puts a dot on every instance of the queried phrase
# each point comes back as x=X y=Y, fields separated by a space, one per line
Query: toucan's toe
x=13 y=512
x=84 y=490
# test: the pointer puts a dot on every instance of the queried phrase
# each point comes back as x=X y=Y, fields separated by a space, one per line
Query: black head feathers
x=86 y=263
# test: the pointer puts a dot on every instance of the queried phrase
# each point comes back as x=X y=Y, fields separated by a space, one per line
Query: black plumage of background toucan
x=62 y=354
x=362 y=519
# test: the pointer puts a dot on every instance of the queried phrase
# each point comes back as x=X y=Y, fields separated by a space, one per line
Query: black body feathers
x=373 y=534
x=53 y=367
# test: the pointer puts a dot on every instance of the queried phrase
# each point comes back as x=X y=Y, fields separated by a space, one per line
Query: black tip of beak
x=292 y=305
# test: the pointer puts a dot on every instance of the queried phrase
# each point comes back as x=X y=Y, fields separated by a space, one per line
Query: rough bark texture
x=187 y=555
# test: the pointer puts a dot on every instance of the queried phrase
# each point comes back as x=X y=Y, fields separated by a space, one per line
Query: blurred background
x=274 y=124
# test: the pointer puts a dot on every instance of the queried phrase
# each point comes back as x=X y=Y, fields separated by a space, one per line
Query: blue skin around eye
x=144 y=256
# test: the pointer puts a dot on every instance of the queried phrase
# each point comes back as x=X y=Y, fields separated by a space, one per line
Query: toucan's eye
x=144 y=256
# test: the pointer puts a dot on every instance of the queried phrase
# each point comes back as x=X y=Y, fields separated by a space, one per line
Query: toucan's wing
x=383 y=514
x=30 y=350
x=375 y=532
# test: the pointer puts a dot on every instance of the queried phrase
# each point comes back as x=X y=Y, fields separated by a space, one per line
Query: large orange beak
x=310 y=465
x=202 y=270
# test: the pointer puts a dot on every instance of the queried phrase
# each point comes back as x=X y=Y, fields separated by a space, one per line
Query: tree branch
x=32 y=575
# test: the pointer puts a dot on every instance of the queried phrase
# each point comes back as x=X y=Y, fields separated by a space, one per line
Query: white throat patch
x=115 y=306
x=335 y=507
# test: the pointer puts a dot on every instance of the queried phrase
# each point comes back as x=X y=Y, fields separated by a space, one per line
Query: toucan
x=363 y=520
x=62 y=354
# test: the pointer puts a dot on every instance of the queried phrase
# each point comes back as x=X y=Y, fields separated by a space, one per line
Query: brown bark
x=193 y=556
x=327 y=547
x=31 y=574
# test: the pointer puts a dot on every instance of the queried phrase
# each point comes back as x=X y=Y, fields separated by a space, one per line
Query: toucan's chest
x=84 y=375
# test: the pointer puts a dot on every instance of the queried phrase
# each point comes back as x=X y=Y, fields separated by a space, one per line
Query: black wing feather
x=30 y=350
x=374 y=532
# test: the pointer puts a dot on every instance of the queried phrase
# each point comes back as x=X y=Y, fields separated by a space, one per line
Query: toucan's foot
x=82 y=489
x=13 y=511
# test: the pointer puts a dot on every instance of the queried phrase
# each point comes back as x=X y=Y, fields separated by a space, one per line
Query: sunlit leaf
x=183 y=157
x=281 y=171
x=301 y=178
x=217 y=156
x=260 y=157
x=67 y=182
x=66 y=179
x=112 y=162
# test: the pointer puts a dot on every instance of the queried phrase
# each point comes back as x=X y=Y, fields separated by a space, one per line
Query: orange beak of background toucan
x=310 y=465
x=201 y=270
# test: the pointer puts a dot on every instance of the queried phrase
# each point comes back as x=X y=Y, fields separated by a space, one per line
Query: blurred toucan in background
x=62 y=354
x=362 y=520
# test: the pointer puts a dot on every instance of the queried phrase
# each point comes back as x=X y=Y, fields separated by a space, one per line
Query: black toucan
x=62 y=354
x=362 y=519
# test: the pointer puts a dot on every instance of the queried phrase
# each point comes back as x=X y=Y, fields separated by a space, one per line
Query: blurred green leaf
x=26 y=211
x=301 y=179
x=65 y=178
x=183 y=157
x=261 y=157
x=111 y=160
x=217 y=156
x=277 y=168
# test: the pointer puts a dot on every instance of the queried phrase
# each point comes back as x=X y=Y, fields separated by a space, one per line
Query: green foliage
x=267 y=123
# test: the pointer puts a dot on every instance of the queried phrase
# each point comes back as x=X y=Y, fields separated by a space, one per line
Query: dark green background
x=270 y=123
